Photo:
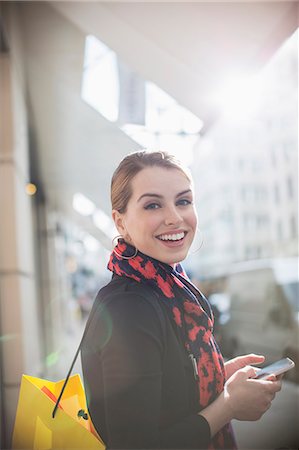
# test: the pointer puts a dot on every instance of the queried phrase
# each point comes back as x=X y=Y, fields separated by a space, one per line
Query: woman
x=153 y=373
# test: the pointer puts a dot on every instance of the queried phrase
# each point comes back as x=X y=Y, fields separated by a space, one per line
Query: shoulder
x=126 y=291
x=124 y=284
x=129 y=303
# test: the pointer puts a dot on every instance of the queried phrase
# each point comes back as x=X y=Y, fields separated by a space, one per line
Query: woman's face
x=160 y=219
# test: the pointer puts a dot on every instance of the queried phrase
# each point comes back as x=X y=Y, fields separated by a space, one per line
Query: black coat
x=138 y=377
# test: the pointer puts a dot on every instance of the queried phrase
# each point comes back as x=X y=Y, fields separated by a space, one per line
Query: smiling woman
x=160 y=219
x=155 y=376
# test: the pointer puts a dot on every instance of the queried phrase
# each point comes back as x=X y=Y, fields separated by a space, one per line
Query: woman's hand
x=243 y=398
x=239 y=362
x=248 y=398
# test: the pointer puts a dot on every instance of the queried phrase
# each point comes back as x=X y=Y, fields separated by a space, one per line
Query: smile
x=172 y=237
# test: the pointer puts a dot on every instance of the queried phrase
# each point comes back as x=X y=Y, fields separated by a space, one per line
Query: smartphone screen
x=277 y=368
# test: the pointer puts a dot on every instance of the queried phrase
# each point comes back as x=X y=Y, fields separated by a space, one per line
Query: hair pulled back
x=121 y=183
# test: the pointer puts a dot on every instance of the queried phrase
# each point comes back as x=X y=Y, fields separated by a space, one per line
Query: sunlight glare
x=240 y=94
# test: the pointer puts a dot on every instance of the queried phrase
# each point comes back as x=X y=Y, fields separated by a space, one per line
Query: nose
x=172 y=216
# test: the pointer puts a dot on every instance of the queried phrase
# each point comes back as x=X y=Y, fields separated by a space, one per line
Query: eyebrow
x=148 y=194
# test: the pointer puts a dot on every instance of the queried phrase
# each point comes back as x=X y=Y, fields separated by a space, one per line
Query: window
x=262 y=221
x=293 y=227
x=276 y=194
x=279 y=230
x=273 y=158
x=290 y=187
x=141 y=109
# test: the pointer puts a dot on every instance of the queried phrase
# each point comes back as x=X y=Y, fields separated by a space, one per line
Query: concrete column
x=19 y=330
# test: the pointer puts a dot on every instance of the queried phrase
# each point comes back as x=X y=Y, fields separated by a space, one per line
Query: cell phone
x=277 y=368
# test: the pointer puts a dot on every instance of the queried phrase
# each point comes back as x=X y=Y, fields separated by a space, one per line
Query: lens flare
x=52 y=358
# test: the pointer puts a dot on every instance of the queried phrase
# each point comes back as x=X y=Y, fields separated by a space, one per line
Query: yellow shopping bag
x=71 y=428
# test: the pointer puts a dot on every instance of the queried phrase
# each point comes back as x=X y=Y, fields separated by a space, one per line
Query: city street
x=121 y=122
x=278 y=428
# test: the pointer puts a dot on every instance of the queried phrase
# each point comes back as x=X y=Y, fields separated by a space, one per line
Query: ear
x=118 y=219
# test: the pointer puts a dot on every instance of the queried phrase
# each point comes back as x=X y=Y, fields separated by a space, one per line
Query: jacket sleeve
x=131 y=354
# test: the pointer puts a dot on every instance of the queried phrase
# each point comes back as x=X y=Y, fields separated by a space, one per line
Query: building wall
x=19 y=325
x=246 y=174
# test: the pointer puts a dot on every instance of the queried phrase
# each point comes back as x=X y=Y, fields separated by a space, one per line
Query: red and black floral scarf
x=192 y=314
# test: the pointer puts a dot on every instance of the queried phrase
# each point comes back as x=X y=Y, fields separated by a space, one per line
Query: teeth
x=172 y=237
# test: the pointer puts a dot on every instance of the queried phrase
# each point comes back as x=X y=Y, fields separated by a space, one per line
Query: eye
x=152 y=206
x=184 y=202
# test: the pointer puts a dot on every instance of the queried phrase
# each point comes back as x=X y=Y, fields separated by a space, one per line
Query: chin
x=175 y=259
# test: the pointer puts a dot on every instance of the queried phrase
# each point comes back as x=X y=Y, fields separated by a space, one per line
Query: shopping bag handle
x=71 y=368
x=66 y=380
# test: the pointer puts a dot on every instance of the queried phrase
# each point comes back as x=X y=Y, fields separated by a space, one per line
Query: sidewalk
x=278 y=428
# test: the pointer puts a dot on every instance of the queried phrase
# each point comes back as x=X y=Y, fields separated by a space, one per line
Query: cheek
x=193 y=220
x=147 y=225
x=141 y=224
x=153 y=222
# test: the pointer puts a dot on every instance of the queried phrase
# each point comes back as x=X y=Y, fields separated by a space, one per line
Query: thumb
x=249 y=372
x=271 y=377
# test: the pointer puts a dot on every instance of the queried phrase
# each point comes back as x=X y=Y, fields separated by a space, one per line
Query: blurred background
x=82 y=84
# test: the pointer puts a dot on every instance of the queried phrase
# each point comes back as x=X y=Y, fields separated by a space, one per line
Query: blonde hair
x=121 y=183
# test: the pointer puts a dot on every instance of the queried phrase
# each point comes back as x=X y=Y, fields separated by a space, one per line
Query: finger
x=271 y=377
x=268 y=406
x=273 y=386
x=277 y=385
x=248 y=371
x=252 y=358
x=274 y=382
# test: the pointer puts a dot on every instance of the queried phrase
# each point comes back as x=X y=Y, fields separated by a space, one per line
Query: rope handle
x=71 y=368
x=66 y=380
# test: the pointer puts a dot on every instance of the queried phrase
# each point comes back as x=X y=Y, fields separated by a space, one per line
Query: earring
x=201 y=244
x=120 y=237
